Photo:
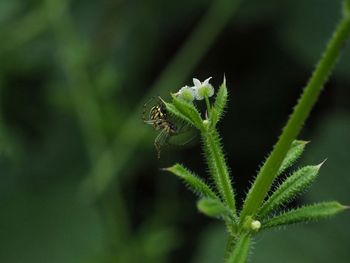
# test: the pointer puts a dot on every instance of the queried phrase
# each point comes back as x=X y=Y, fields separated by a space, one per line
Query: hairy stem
x=302 y=110
x=219 y=168
x=241 y=249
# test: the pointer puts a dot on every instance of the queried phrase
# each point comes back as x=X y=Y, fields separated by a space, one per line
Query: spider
x=158 y=118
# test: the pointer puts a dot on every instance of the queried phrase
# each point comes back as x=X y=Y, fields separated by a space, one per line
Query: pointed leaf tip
x=302 y=142
x=224 y=80
x=346 y=207
x=292 y=187
x=220 y=103
x=295 y=151
x=321 y=164
x=306 y=213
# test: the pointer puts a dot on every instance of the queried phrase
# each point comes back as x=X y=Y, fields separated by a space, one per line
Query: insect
x=159 y=119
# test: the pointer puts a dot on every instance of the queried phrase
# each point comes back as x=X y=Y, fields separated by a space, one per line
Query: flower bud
x=255 y=225
x=187 y=93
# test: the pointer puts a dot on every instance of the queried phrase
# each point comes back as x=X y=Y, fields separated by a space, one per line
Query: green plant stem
x=87 y=108
x=241 y=250
x=208 y=106
x=302 y=110
x=230 y=244
x=74 y=64
x=220 y=173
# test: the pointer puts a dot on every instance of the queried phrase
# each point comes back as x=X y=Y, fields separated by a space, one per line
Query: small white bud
x=186 y=93
x=255 y=225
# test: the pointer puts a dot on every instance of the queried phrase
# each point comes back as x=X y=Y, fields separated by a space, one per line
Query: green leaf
x=197 y=185
x=306 y=214
x=290 y=188
x=176 y=113
x=219 y=104
x=190 y=111
x=213 y=207
x=240 y=252
x=296 y=149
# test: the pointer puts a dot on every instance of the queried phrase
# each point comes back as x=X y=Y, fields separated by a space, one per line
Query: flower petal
x=196 y=82
x=206 y=82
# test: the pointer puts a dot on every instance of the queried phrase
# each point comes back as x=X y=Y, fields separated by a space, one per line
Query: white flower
x=186 y=93
x=203 y=89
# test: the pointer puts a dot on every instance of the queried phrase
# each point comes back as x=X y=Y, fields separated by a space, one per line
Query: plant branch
x=302 y=110
x=218 y=168
x=208 y=106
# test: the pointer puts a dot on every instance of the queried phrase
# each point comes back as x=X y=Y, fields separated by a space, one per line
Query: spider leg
x=149 y=121
x=183 y=135
x=183 y=128
x=144 y=109
x=160 y=141
x=189 y=140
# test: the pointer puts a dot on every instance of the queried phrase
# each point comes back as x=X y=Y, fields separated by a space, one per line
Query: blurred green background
x=80 y=181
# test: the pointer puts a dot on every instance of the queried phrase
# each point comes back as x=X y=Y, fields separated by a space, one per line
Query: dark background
x=80 y=181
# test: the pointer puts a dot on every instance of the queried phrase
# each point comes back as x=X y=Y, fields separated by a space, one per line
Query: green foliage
x=219 y=104
x=225 y=208
x=286 y=151
x=293 y=127
x=290 y=188
x=91 y=122
x=306 y=213
x=176 y=113
x=213 y=208
x=331 y=134
x=189 y=110
x=218 y=167
x=295 y=151
x=192 y=181
x=211 y=141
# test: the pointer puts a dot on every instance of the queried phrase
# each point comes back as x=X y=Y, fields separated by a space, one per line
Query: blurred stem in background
x=175 y=73
x=73 y=54
x=5 y=145
x=83 y=93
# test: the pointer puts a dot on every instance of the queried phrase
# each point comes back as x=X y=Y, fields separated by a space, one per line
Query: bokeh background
x=79 y=177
